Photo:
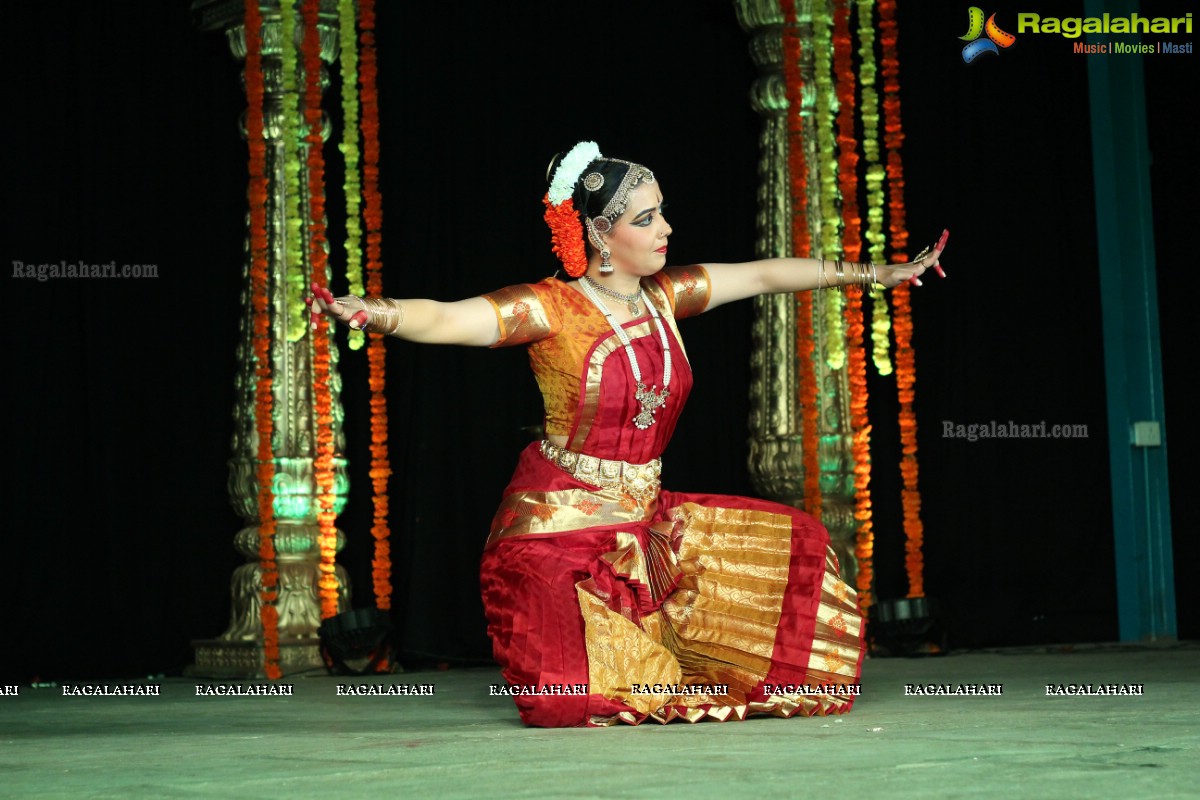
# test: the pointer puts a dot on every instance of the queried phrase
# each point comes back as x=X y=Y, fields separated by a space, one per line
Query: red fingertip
x=939 y=270
x=941 y=245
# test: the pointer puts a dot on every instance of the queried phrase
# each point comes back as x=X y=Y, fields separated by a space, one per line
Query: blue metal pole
x=1132 y=358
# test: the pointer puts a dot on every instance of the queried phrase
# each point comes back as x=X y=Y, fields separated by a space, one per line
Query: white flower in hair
x=567 y=173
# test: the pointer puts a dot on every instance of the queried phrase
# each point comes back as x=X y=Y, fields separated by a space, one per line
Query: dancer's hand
x=322 y=301
x=929 y=258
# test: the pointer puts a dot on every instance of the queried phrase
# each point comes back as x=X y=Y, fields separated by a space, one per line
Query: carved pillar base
x=298 y=556
x=244 y=660
x=837 y=515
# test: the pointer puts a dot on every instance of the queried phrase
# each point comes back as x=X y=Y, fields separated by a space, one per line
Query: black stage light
x=357 y=642
x=907 y=627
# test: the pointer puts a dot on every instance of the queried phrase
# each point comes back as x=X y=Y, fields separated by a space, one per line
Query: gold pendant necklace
x=649 y=399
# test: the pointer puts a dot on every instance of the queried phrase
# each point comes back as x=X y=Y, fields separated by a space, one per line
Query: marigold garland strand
x=327 y=581
x=348 y=36
x=566 y=235
x=905 y=356
x=856 y=354
x=801 y=246
x=827 y=180
x=261 y=322
x=881 y=322
x=381 y=572
x=295 y=282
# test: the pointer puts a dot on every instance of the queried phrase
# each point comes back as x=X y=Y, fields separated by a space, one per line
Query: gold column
x=237 y=653
x=776 y=462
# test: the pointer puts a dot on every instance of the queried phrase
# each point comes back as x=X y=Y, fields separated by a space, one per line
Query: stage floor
x=462 y=741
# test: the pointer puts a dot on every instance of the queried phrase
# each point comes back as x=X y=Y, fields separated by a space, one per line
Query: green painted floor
x=461 y=742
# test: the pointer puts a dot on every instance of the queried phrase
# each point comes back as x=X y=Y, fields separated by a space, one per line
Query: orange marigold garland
x=856 y=354
x=261 y=321
x=381 y=566
x=801 y=246
x=318 y=261
x=906 y=373
x=566 y=235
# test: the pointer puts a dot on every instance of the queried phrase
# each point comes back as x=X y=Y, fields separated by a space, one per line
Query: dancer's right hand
x=322 y=301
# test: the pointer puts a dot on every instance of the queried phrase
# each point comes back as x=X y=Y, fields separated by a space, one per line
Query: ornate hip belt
x=640 y=481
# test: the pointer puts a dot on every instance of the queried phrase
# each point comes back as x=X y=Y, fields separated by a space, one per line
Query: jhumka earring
x=596 y=226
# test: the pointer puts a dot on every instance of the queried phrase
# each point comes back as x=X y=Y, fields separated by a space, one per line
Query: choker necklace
x=631 y=300
x=649 y=399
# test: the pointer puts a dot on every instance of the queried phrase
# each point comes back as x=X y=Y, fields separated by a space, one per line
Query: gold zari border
x=531 y=513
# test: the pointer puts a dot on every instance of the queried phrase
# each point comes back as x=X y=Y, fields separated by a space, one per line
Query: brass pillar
x=238 y=653
x=776 y=462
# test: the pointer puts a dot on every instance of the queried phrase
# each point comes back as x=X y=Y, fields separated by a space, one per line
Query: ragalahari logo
x=976 y=28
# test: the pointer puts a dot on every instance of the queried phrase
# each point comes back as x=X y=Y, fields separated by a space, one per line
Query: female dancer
x=608 y=598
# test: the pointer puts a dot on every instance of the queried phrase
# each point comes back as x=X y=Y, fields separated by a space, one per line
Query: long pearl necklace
x=649 y=400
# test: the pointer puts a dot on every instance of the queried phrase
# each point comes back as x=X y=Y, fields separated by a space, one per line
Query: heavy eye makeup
x=647 y=216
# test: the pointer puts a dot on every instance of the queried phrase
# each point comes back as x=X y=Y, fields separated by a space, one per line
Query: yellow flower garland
x=347 y=33
x=827 y=177
x=881 y=323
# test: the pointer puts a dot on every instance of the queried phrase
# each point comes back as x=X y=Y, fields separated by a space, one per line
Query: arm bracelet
x=384 y=315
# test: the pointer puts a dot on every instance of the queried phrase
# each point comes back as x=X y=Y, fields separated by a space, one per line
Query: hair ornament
x=566 y=235
x=569 y=168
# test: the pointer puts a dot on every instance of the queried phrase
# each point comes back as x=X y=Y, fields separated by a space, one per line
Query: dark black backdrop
x=120 y=145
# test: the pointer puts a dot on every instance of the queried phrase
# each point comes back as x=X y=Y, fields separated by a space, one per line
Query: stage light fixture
x=907 y=627
x=357 y=642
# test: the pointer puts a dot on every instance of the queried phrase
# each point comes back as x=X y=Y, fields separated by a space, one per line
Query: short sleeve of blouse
x=688 y=289
x=526 y=313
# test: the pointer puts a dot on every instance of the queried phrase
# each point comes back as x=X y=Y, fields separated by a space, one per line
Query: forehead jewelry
x=648 y=399
x=634 y=174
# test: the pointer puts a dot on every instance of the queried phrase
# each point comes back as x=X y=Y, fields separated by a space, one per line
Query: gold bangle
x=384 y=315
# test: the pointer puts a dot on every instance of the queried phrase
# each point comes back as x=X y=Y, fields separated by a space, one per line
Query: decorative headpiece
x=563 y=218
x=634 y=174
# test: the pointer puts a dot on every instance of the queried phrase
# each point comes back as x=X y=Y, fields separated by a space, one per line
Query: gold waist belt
x=641 y=481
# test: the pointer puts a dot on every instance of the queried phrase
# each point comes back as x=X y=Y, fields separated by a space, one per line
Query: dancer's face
x=638 y=239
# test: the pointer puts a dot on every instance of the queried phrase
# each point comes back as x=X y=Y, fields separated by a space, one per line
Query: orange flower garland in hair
x=801 y=245
x=261 y=322
x=381 y=470
x=322 y=401
x=906 y=371
x=566 y=235
x=566 y=227
x=856 y=354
